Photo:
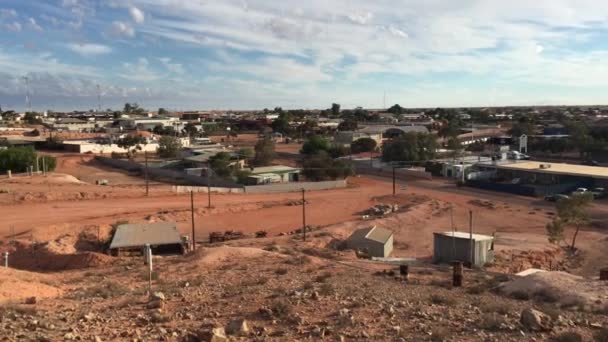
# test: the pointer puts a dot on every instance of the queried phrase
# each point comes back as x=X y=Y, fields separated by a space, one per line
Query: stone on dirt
x=237 y=326
x=534 y=320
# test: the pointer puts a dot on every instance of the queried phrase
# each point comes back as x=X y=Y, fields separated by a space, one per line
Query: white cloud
x=31 y=22
x=139 y=71
x=90 y=49
x=173 y=67
x=137 y=15
x=14 y=26
x=122 y=29
x=7 y=13
x=362 y=18
x=540 y=48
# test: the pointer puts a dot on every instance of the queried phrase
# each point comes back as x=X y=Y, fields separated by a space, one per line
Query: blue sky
x=251 y=54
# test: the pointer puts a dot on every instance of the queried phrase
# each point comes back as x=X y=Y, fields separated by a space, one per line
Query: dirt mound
x=57 y=255
x=18 y=285
x=560 y=287
x=216 y=256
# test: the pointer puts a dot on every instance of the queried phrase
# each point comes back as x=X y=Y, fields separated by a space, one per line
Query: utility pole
x=98 y=98
x=146 y=174
x=303 y=215
x=471 y=242
x=208 y=187
x=192 y=211
x=394 y=190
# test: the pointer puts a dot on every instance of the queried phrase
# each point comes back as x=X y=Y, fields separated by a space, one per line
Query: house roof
x=558 y=168
x=466 y=236
x=138 y=235
x=372 y=233
x=273 y=169
x=384 y=128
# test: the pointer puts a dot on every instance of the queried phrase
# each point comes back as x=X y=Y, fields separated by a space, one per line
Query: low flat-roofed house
x=163 y=237
x=375 y=241
x=456 y=246
x=273 y=174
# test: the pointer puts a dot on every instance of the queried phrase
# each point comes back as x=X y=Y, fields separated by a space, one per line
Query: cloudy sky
x=241 y=54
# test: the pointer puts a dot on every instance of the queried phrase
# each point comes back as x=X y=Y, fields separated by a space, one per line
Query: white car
x=580 y=191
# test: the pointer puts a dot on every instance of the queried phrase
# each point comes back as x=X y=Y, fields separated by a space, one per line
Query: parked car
x=591 y=163
x=556 y=197
x=599 y=193
x=580 y=191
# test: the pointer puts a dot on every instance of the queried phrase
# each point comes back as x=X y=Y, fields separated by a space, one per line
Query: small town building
x=163 y=238
x=273 y=174
x=374 y=241
x=456 y=246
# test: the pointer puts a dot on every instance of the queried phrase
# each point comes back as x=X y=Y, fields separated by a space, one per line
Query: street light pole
x=394 y=182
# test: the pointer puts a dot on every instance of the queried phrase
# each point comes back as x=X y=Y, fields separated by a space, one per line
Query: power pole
x=146 y=174
x=28 y=100
x=98 y=98
x=303 y=215
x=208 y=187
x=192 y=211
x=471 y=241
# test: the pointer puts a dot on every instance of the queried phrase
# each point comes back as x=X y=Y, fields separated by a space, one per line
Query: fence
x=180 y=189
x=171 y=176
x=403 y=174
x=289 y=187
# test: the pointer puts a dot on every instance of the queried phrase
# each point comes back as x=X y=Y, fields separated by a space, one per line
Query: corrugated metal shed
x=450 y=247
x=378 y=242
x=379 y=235
x=138 y=235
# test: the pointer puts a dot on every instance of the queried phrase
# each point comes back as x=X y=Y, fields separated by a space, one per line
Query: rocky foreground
x=288 y=294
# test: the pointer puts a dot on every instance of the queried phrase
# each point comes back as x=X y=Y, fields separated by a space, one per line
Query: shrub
x=281 y=308
x=281 y=271
x=491 y=322
x=442 y=300
x=17 y=159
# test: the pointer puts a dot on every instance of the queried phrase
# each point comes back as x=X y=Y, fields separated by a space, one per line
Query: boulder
x=157 y=296
x=237 y=327
x=213 y=335
x=534 y=320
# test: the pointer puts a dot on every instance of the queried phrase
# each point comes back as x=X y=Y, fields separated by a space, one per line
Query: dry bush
x=111 y=289
x=323 y=277
x=159 y=318
x=12 y=309
x=326 y=289
x=442 y=300
x=281 y=271
x=281 y=308
x=548 y=295
x=568 y=336
x=520 y=295
x=492 y=322
x=499 y=308
x=440 y=334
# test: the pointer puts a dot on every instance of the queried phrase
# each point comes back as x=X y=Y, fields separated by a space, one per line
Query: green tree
x=321 y=166
x=191 y=130
x=363 y=145
x=523 y=126
x=314 y=145
x=245 y=153
x=220 y=164
x=17 y=159
x=335 y=110
x=349 y=124
x=132 y=108
x=396 y=110
x=32 y=118
x=131 y=143
x=573 y=212
x=410 y=147
x=116 y=114
x=264 y=152
x=168 y=147
x=163 y=111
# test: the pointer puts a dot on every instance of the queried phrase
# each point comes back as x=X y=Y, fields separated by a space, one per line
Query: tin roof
x=467 y=236
x=138 y=235
x=372 y=233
